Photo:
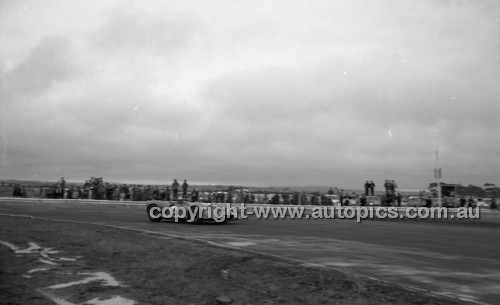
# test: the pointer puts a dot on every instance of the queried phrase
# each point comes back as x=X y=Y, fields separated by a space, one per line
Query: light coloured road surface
x=456 y=259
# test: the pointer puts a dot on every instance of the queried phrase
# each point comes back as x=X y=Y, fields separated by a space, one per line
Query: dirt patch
x=157 y=269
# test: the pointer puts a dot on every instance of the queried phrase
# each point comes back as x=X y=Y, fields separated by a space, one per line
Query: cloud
x=50 y=61
x=158 y=34
x=269 y=93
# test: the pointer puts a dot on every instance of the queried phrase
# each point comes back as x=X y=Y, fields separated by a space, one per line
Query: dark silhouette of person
x=389 y=200
x=471 y=202
x=398 y=199
x=462 y=201
x=367 y=187
x=393 y=186
x=17 y=190
x=185 y=186
x=167 y=194
x=372 y=187
x=194 y=195
x=362 y=201
x=63 y=186
x=175 y=189
x=428 y=202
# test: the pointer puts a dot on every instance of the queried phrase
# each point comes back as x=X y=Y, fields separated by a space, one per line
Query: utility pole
x=437 y=176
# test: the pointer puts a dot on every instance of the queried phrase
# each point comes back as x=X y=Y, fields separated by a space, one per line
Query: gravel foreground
x=158 y=269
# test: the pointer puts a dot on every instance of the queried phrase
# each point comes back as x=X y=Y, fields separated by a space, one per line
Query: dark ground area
x=158 y=269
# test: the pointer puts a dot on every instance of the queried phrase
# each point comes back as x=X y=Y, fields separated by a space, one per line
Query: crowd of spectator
x=97 y=189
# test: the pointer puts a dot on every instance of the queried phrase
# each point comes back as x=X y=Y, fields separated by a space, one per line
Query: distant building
x=487 y=190
x=447 y=189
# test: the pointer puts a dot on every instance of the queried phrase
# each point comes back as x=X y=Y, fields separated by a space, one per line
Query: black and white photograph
x=233 y=152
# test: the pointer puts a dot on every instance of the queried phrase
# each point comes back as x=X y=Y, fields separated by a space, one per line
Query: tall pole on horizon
x=437 y=175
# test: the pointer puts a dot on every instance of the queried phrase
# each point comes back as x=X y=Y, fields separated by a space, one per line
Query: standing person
x=22 y=192
x=17 y=190
x=362 y=201
x=389 y=200
x=372 y=187
x=167 y=194
x=175 y=189
x=471 y=202
x=194 y=195
x=367 y=187
x=394 y=186
x=185 y=186
x=391 y=187
x=428 y=202
x=123 y=192
x=63 y=186
x=462 y=201
x=398 y=199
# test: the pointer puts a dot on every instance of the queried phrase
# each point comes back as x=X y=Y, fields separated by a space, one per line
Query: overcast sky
x=251 y=92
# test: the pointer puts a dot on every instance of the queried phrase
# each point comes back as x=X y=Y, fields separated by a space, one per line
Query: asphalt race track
x=462 y=260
